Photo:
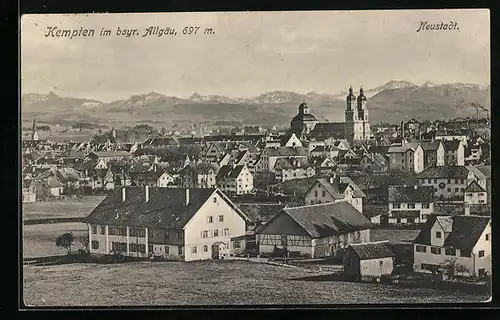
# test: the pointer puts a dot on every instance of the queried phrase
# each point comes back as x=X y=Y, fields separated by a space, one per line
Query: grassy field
x=39 y=239
x=205 y=283
x=61 y=209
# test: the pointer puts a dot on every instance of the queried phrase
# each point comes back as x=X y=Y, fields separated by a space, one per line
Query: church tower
x=356 y=117
x=351 y=116
x=364 y=132
x=34 y=133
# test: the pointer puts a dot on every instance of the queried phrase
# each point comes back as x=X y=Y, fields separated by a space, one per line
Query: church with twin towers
x=355 y=128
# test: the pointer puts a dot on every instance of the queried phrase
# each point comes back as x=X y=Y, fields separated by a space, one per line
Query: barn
x=370 y=260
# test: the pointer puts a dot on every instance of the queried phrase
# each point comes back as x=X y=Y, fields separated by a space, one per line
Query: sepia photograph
x=258 y=158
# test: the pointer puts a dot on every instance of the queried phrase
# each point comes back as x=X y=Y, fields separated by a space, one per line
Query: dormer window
x=438 y=234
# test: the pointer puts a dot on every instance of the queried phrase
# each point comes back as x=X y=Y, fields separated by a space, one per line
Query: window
x=429 y=180
x=449 y=180
x=133 y=247
x=425 y=205
x=103 y=230
x=438 y=234
x=95 y=245
x=226 y=231
x=236 y=244
x=210 y=219
x=435 y=180
x=215 y=198
x=167 y=249
x=435 y=250
x=396 y=205
x=481 y=253
x=411 y=206
x=193 y=250
x=179 y=235
x=456 y=189
x=216 y=232
x=381 y=262
x=487 y=237
x=420 y=248
x=462 y=181
x=450 y=251
x=180 y=250
x=150 y=248
x=465 y=254
x=204 y=234
x=221 y=218
x=137 y=232
x=449 y=189
x=94 y=229
x=205 y=248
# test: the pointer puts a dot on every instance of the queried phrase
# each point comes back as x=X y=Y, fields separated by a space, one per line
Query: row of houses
x=202 y=223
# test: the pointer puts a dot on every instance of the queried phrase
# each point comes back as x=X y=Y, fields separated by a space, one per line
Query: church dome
x=304 y=117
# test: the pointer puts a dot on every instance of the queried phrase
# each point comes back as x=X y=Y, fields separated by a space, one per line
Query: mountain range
x=392 y=102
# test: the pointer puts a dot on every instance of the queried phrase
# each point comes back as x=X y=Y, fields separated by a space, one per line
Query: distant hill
x=394 y=101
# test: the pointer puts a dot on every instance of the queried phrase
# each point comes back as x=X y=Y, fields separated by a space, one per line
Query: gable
x=282 y=223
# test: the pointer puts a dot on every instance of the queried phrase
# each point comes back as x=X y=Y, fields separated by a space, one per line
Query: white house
x=410 y=204
x=449 y=182
x=291 y=141
x=461 y=239
x=406 y=157
x=337 y=189
x=173 y=223
x=286 y=169
x=455 y=153
x=165 y=180
x=270 y=155
x=475 y=194
x=235 y=180
x=369 y=260
x=318 y=230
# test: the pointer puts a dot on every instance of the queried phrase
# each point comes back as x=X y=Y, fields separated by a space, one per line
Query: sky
x=252 y=52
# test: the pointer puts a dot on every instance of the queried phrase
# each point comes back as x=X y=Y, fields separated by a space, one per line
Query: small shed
x=369 y=260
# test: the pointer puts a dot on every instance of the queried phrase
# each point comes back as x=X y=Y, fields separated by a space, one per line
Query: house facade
x=455 y=153
x=173 y=223
x=406 y=157
x=235 y=180
x=449 y=182
x=368 y=260
x=314 y=230
x=461 y=239
x=411 y=204
x=333 y=190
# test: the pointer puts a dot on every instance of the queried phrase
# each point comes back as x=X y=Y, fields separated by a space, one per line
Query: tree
x=65 y=241
x=84 y=241
x=453 y=267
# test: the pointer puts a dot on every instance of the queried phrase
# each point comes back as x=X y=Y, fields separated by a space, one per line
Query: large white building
x=173 y=223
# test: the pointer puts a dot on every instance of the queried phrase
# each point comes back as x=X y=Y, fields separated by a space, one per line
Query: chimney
x=124 y=194
x=147 y=193
x=187 y=196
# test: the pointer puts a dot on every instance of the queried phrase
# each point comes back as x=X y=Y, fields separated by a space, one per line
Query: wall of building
x=376 y=267
x=455 y=187
x=438 y=259
x=232 y=226
x=318 y=194
x=483 y=245
x=475 y=198
x=106 y=240
x=329 y=246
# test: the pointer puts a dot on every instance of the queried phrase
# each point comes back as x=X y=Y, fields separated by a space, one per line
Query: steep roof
x=474 y=187
x=422 y=194
x=161 y=141
x=430 y=145
x=228 y=171
x=331 y=129
x=451 y=145
x=331 y=189
x=466 y=231
x=286 y=152
x=108 y=154
x=347 y=181
x=166 y=207
x=444 y=172
x=372 y=250
x=424 y=236
x=478 y=173
x=486 y=170
x=446 y=222
x=328 y=219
